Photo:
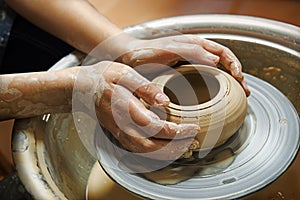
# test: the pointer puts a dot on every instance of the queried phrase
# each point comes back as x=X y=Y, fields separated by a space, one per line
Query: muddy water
x=181 y=171
x=101 y=187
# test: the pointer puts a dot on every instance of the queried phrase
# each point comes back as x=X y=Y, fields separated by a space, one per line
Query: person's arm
x=76 y=22
x=32 y=94
x=110 y=87
x=79 y=24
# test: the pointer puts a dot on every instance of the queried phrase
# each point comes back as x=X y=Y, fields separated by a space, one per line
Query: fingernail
x=246 y=89
x=162 y=99
x=236 y=71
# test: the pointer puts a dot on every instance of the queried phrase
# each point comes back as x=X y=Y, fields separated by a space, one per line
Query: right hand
x=138 y=129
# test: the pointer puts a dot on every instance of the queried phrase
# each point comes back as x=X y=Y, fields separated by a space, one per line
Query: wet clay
x=181 y=170
x=204 y=87
x=205 y=96
x=101 y=187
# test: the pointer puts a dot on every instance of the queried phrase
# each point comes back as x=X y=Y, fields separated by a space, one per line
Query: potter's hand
x=135 y=127
x=192 y=48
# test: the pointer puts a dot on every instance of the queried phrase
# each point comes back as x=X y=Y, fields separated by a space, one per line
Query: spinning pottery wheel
x=53 y=163
x=256 y=155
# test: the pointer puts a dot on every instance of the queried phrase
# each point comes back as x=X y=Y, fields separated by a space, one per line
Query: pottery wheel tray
x=260 y=151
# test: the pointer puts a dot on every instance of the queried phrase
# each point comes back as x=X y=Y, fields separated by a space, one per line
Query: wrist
x=114 y=47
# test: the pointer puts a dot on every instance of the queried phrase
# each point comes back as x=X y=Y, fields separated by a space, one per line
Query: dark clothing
x=24 y=48
x=31 y=49
x=7 y=17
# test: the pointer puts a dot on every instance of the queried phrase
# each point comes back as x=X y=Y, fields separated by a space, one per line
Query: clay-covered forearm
x=32 y=94
x=76 y=22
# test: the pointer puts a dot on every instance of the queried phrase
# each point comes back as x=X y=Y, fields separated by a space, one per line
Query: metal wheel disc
x=261 y=151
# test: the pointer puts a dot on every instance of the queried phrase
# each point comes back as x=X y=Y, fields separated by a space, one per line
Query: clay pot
x=206 y=96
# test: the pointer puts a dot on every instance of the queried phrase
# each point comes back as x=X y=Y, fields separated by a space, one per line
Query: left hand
x=169 y=50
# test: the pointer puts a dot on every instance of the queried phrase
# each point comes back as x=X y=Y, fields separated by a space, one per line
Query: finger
x=103 y=109
x=245 y=87
x=150 y=54
x=228 y=62
x=132 y=138
x=132 y=111
x=242 y=82
x=191 y=47
x=133 y=81
x=227 y=58
x=155 y=148
x=171 y=130
x=193 y=53
x=152 y=125
x=152 y=95
x=171 y=49
x=129 y=108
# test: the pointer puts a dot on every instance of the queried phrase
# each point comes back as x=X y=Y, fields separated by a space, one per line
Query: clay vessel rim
x=213 y=72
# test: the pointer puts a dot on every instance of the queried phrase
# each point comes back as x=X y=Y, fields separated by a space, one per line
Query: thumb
x=142 y=87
